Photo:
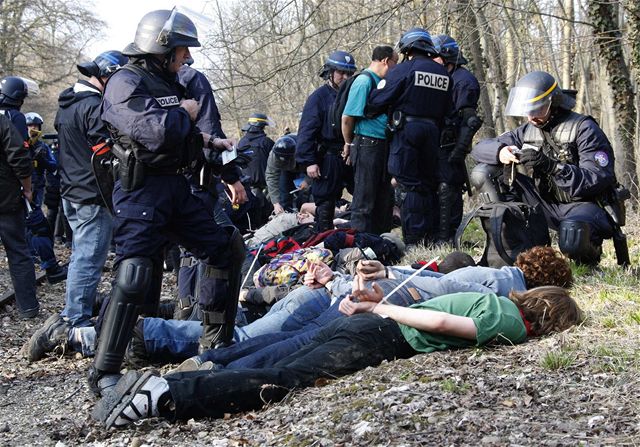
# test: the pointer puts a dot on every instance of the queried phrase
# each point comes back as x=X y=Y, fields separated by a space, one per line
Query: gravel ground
x=579 y=387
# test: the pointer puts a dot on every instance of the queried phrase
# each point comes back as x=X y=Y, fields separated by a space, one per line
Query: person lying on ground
x=343 y=347
x=317 y=305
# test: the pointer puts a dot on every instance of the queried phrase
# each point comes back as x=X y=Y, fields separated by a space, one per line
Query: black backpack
x=335 y=112
x=510 y=228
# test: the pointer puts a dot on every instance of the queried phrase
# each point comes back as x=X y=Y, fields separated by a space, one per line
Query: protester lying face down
x=344 y=347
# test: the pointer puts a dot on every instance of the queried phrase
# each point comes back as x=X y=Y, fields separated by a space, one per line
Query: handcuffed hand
x=318 y=275
x=370 y=270
x=537 y=161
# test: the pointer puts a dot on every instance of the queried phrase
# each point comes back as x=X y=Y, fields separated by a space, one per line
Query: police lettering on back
x=431 y=80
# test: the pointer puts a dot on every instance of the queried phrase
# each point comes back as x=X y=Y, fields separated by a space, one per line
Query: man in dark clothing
x=156 y=139
x=417 y=95
x=567 y=163
x=319 y=146
x=259 y=144
x=13 y=91
x=456 y=138
x=80 y=128
x=15 y=184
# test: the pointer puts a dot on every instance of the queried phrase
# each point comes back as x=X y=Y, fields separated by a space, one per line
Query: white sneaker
x=137 y=398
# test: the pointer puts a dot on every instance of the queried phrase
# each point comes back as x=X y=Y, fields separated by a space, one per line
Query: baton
x=251 y=266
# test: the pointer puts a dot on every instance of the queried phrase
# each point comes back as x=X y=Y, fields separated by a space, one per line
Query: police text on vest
x=168 y=101
x=431 y=80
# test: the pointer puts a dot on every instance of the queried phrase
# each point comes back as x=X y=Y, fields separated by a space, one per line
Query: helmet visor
x=526 y=101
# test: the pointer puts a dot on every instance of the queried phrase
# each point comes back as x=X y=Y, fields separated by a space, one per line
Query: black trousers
x=372 y=205
x=343 y=347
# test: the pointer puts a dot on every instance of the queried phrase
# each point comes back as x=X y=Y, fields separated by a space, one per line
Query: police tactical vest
x=166 y=95
x=559 y=144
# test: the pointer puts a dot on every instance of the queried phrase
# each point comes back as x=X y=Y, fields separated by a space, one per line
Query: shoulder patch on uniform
x=168 y=101
x=381 y=84
x=601 y=158
x=431 y=80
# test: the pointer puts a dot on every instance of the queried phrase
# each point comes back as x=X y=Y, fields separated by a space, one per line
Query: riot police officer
x=43 y=159
x=319 y=145
x=256 y=141
x=417 y=95
x=456 y=138
x=156 y=139
x=567 y=154
x=13 y=91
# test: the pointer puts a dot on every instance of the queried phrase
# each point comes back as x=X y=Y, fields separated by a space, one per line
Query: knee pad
x=483 y=179
x=574 y=240
x=132 y=283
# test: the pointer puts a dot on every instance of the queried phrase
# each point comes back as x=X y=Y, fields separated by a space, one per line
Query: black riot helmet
x=449 y=50
x=285 y=146
x=259 y=120
x=13 y=90
x=104 y=65
x=338 y=60
x=535 y=94
x=417 y=39
x=161 y=31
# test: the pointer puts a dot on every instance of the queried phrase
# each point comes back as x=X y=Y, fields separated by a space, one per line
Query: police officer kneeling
x=155 y=139
x=569 y=167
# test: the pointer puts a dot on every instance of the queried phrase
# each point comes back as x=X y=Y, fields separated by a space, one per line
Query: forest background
x=264 y=55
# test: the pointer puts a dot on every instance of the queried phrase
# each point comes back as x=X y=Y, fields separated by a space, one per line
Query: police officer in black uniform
x=456 y=138
x=417 y=95
x=256 y=141
x=568 y=157
x=155 y=140
x=319 y=146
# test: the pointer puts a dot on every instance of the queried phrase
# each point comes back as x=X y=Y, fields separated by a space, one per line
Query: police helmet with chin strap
x=449 y=50
x=417 y=39
x=104 y=65
x=161 y=31
x=13 y=90
x=338 y=60
x=32 y=118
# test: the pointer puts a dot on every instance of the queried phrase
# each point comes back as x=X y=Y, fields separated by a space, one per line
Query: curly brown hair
x=548 y=309
x=544 y=266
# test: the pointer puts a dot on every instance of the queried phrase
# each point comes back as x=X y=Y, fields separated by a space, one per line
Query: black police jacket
x=79 y=128
x=261 y=145
x=15 y=164
x=141 y=106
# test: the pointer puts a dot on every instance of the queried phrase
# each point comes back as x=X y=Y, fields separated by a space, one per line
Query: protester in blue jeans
x=80 y=128
x=315 y=304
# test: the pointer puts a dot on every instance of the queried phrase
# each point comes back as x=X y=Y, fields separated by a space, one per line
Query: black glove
x=537 y=161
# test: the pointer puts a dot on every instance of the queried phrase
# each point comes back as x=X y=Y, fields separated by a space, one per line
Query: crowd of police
x=401 y=138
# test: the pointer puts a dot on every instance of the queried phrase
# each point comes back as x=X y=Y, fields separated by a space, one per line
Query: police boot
x=574 y=240
x=132 y=283
x=445 y=202
x=214 y=292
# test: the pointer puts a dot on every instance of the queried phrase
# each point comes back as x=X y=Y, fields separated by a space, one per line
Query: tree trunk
x=603 y=16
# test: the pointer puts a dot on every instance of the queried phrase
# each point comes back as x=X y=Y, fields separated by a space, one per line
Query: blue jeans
x=181 y=338
x=23 y=277
x=92 y=226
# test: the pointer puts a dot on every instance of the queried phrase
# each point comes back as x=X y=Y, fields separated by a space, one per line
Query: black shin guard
x=445 y=206
x=132 y=284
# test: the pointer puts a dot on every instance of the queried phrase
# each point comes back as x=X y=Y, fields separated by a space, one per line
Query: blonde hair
x=548 y=309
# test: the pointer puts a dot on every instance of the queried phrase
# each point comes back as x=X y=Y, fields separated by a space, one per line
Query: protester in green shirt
x=375 y=331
